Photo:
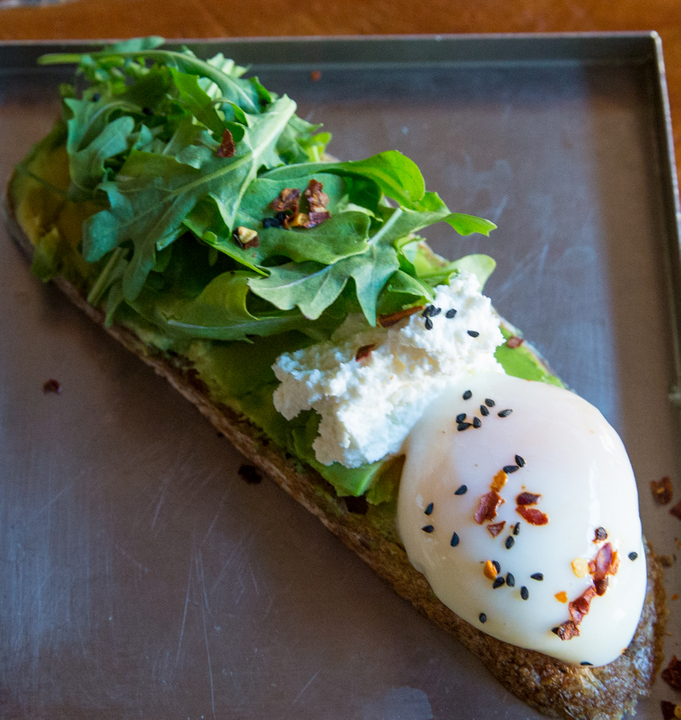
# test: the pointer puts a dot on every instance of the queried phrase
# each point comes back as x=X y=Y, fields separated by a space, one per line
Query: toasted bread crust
x=546 y=684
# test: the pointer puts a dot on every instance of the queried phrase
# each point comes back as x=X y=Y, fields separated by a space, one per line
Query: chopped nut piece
x=487 y=509
x=389 y=320
x=600 y=534
x=51 y=386
x=317 y=200
x=499 y=481
x=227 y=147
x=246 y=238
x=561 y=596
x=567 y=630
x=580 y=567
x=527 y=498
x=490 y=570
x=676 y=510
x=672 y=673
x=662 y=490
x=298 y=220
x=668 y=710
x=250 y=474
x=288 y=201
x=514 y=342
x=364 y=351
x=496 y=528
x=532 y=515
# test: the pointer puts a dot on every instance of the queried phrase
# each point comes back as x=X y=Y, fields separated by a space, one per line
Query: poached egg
x=519 y=504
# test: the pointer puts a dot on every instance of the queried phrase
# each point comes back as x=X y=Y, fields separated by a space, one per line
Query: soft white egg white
x=575 y=461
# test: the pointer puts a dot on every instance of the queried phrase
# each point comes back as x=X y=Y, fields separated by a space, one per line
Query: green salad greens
x=196 y=207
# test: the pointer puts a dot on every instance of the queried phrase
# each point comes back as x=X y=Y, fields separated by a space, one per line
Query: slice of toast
x=546 y=684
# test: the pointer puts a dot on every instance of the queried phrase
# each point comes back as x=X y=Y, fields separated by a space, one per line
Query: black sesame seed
x=520 y=461
x=435 y=311
x=463 y=426
x=633 y=555
x=473 y=333
x=505 y=413
x=147 y=111
x=96 y=97
x=510 y=580
x=537 y=576
x=428 y=528
x=462 y=490
x=586 y=663
x=455 y=540
x=508 y=469
x=281 y=216
x=460 y=417
x=524 y=593
x=429 y=509
x=450 y=313
x=497 y=567
x=498 y=582
x=426 y=312
x=483 y=618
x=477 y=422
x=516 y=528
x=484 y=411
x=509 y=542
x=271 y=222
x=429 y=324
x=489 y=402
x=467 y=395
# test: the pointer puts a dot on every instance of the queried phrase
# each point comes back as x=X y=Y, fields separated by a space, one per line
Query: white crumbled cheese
x=368 y=406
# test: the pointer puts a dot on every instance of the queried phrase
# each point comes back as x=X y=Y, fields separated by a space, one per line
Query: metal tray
x=141 y=577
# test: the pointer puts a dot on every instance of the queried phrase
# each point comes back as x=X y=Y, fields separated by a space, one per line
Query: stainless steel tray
x=141 y=577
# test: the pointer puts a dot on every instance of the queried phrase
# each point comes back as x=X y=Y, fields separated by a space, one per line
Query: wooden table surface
x=89 y=19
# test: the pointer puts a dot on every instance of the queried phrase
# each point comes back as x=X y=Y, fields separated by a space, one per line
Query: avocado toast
x=190 y=370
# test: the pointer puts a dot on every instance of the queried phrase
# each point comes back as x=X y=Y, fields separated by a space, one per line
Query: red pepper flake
x=606 y=563
x=487 y=509
x=567 y=630
x=496 y=528
x=364 y=351
x=662 y=490
x=227 y=147
x=514 y=342
x=316 y=75
x=317 y=200
x=389 y=320
x=250 y=474
x=672 y=674
x=52 y=386
x=532 y=515
x=668 y=710
x=580 y=607
x=676 y=510
x=527 y=498
x=287 y=201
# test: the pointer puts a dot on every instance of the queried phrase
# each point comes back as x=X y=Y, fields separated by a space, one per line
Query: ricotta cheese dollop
x=526 y=524
x=371 y=385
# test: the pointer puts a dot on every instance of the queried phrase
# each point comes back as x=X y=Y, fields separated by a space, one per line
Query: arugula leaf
x=153 y=195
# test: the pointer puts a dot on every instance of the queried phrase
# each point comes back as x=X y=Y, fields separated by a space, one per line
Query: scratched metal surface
x=140 y=577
